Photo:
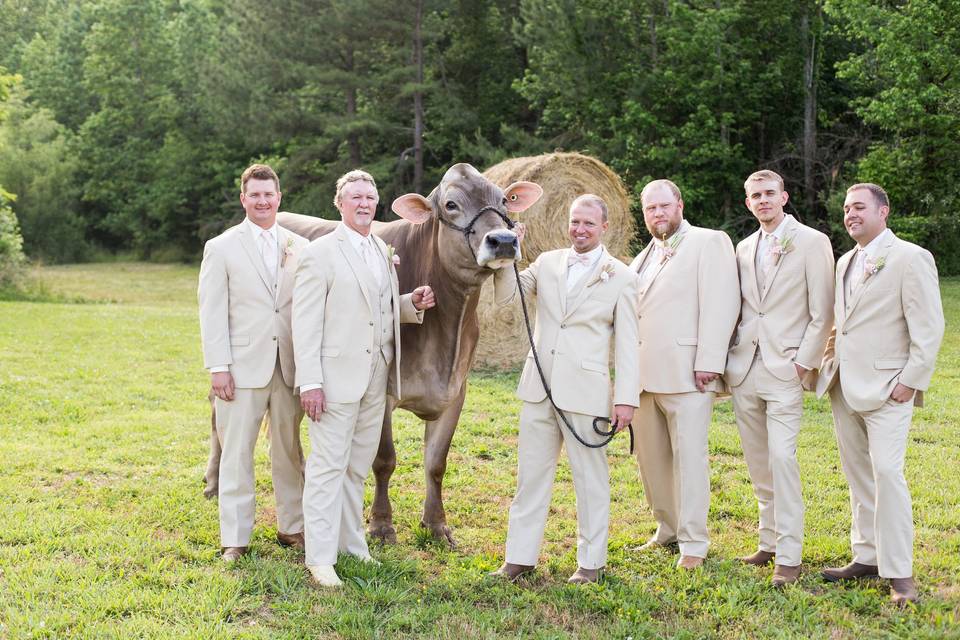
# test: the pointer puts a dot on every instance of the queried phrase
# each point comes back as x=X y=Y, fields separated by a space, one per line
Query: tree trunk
x=353 y=141
x=809 y=35
x=418 y=101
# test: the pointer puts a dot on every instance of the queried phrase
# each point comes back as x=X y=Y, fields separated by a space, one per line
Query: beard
x=663 y=230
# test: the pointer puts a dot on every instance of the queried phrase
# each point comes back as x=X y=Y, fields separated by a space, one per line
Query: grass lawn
x=104 y=531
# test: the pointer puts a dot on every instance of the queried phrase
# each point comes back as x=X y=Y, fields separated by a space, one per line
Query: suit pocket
x=592 y=365
x=792 y=343
x=239 y=341
x=329 y=353
x=687 y=342
x=890 y=363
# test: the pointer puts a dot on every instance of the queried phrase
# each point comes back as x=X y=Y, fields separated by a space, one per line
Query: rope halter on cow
x=468 y=230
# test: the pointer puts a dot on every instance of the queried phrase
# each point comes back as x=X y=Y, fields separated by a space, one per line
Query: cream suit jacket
x=243 y=325
x=573 y=333
x=688 y=311
x=333 y=328
x=790 y=320
x=889 y=331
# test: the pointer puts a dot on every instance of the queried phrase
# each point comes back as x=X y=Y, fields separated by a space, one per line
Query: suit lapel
x=752 y=276
x=587 y=285
x=866 y=282
x=356 y=264
x=841 y=285
x=788 y=232
x=248 y=243
x=284 y=279
x=561 y=270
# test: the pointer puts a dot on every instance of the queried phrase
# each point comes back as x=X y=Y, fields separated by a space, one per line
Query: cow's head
x=474 y=214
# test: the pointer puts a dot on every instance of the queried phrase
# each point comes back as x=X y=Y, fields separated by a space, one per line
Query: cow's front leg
x=211 y=478
x=381 y=514
x=439 y=434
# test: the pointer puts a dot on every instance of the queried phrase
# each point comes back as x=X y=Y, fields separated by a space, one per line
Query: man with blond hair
x=246 y=284
x=688 y=305
x=879 y=361
x=786 y=313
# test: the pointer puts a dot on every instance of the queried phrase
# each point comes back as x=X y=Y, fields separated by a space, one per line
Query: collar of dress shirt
x=778 y=232
x=356 y=239
x=870 y=250
x=256 y=230
x=592 y=256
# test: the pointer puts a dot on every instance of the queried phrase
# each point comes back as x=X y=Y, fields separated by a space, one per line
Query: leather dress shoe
x=902 y=591
x=758 y=559
x=853 y=571
x=511 y=571
x=294 y=540
x=584 y=576
x=324 y=575
x=784 y=575
x=232 y=554
x=689 y=562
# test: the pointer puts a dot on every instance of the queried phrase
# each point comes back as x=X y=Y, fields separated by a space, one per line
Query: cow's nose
x=497 y=240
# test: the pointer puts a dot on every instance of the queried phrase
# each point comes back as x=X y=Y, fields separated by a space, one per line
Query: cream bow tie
x=578 y=258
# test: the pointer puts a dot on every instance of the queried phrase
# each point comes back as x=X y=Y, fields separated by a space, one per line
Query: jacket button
x=368 y=350
x=761 y=314
x=371 y=323
x=754 y=343
x=844 y=332
x=274 y=338
x=563 y=326
x=552 y=351
x=276 y=310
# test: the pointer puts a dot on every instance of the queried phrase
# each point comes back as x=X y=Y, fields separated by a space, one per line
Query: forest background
x=125 y=123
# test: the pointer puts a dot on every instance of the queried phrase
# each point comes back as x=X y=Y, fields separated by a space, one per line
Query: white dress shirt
x=854 y=276
x=764 y=260
x=583 y=266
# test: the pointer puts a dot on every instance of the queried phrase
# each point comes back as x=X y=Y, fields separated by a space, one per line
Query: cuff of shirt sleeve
x=220 y=369
x=309 y=387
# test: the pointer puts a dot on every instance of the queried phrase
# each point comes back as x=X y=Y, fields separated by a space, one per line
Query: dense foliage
x=134 y=118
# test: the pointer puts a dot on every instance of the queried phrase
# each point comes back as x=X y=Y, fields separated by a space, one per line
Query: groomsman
x=688 y=306
x=879 y=361
x=586 y=298
x=246 y=283
x=786 y=313
x=347 y=312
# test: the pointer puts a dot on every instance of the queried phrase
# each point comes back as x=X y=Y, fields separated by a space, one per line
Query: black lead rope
x=607 y=435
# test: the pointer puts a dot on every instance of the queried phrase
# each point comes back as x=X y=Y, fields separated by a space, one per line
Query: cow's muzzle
x=498 y=249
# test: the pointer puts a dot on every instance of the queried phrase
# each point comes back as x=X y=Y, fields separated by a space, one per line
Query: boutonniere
x=392 y=256
x=872 y=267
x=669 y=249
x=287 y=252
x=779 y=248
x=605 y=274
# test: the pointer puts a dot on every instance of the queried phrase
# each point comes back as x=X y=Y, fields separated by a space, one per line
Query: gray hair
x=351 y=176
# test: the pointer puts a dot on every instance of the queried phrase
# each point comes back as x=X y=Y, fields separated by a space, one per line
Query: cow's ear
x=412 y=207
x=521 y=196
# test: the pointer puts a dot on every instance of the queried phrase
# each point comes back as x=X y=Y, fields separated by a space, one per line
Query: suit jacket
x=243 y=323
x=790 y=319
x=573 y=333
x=688 y=311
x=889 y=331
x=333 y=328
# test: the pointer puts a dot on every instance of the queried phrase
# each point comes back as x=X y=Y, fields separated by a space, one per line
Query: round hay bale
x=563 y=176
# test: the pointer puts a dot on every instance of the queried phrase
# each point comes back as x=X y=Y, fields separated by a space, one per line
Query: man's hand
x=622 y=417
x=422 y=297
x=313 y=403
x=521 y=230
x=902 y=393
x=801 y=371
x=222 y=384
x=703 y=378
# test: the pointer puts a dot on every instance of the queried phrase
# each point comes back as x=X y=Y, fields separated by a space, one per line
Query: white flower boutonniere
x=287 y=252
x=392 y=256
x=779 y=248
x=872 y=267
x=669 y=249
x=604 y=275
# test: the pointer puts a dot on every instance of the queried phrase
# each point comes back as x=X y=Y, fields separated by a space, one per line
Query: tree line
x=126 y=123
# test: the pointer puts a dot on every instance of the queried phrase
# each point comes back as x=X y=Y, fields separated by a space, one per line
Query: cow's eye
x=451 y=205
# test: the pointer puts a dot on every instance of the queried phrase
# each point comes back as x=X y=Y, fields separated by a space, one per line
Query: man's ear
x=522 y=195
x=412 y=207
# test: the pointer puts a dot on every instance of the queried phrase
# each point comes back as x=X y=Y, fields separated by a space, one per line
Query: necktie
x=268 y=249
x=369 y=258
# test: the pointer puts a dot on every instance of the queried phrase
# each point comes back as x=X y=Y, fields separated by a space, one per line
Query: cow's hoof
x=383 y=533
x=441 y=532
x=210 y=491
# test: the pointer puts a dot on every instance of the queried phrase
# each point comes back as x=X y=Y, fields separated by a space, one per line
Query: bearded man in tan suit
x=879 y=361
x=688 y=306
x=786 y=313
x=246 y=283
x=347 y=311
x=585 y=299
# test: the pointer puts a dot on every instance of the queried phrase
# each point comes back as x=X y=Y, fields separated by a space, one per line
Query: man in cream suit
x=347 y=311
x=688 y=304
x=786 y=313
x=585 y=299
x=879 y=361
x=246 y=283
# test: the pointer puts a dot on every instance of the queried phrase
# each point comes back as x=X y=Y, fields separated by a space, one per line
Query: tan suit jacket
x=243 y=324
x=790 y=319
x=333 y=328
x=573 y=333
x=688 y=311
x=889 y=331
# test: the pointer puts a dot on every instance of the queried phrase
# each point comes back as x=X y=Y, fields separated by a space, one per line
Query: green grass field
x=104 y=531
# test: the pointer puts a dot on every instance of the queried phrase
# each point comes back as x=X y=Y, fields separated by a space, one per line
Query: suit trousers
x=343 y=445
x=873 y=445
x=672 y=454
x=541 y=436
x=238 y=425
x=769 y=412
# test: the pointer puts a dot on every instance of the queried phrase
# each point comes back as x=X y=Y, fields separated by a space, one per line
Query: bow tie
x=578 y=258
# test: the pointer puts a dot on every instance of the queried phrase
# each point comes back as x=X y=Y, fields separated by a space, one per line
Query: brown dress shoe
x=784 y=575
x=511 y=571
x=294 y=540
x=584 y=576
x=689 y=562
x=232 y=554
x=758 y=559
x=853 y=571
x=902 y=591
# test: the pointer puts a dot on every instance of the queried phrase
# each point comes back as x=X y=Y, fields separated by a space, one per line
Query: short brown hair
x=763 y=174
x=258 y=172
x=879 y=195
x=351 y=176
x=591 y=199
x=663 y=182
